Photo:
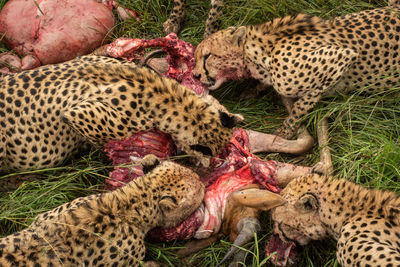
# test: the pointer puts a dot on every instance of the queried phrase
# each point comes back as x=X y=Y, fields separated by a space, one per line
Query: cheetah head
x=211 y=129
x=181 y=192
x=298 y=219
x=220 y=57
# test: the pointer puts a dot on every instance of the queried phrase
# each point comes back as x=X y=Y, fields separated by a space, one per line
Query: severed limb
x=262 y=142
x=325 y=165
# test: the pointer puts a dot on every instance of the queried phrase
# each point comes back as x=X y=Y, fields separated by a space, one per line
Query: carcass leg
x=325 y=164
x=285 y=172
x=262 y=142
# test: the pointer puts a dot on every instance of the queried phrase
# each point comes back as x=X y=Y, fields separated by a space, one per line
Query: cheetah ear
x=307 y=203
x=149 y=162
x=230 y=120
x=205 y=150
x=239 y=36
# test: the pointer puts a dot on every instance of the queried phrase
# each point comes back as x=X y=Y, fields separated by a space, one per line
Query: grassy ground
x=364 y=131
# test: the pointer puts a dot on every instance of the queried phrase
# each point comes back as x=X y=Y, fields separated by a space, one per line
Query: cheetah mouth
x=214 y=85
x=282 y=253
x=209 y=83
x=297 y=237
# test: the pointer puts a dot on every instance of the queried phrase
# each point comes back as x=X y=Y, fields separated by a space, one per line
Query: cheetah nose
x=196 y=76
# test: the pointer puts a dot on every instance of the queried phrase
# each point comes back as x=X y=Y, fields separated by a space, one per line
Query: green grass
x=364 y=132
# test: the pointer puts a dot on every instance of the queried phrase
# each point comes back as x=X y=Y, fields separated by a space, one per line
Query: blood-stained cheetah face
x=207 y=130
x=298 y=219
x=220 y=57
x=181 y=192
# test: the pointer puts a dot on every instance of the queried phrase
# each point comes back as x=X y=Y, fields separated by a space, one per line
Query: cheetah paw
x=170 y=26
x=320 y=169
x=149 y=162
x=151 y=264
x=285 y=132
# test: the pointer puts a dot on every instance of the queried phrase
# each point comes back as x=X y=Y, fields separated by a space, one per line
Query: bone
x=325 y=153
x=126 y=13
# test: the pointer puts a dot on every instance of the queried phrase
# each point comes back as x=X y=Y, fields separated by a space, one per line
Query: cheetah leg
x=212 y=23
x=303 y=133
x=173 y=23
x=300 y=109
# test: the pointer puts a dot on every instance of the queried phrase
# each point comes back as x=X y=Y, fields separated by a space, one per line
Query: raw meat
x=55 y=30
x=180 y=56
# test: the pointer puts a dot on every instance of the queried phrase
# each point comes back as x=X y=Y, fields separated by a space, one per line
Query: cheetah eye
x=206 y=56
x=205 y=150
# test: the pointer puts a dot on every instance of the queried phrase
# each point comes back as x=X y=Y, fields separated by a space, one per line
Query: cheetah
x=107 y=229
x=48 y=113
x=304 y=57
x=365 y=222
x=172 y=24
